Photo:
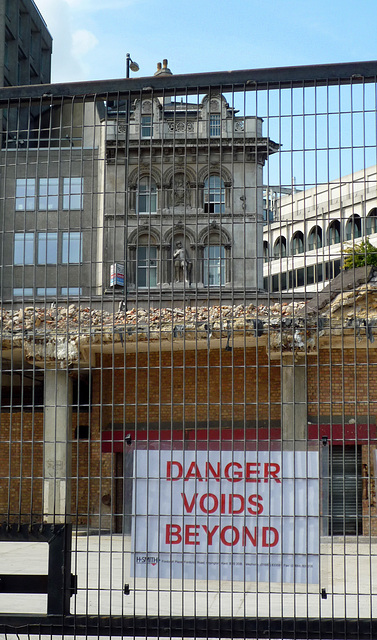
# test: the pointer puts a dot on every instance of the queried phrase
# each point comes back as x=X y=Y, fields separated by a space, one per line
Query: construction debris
x=59 y=334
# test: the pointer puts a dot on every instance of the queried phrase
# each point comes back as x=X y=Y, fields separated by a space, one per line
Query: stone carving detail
x=181 y=190
x=239 y=125
x=147 y=106
x=214 y=105
x=122 y=128
x=182 y=264
x=180 y=127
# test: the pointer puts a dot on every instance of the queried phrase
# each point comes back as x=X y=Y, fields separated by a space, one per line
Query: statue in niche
x=182 y=264
x=181 y=191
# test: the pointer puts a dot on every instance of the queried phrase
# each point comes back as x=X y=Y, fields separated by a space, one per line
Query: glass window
x=353 y=227
x=372 y=222
x=71 y=247
x=266 y=251
x=19 y=291
x=310 y=279
x=46 y=291
x=214 y=266
x=298 y=243
x=147 y=196
x=214 y=195
x=146 y=126
x=280 y=248
x=146 y=266
x=315 y=238
x=25 y=194
x=72 y=193
x=23 y=248
x=71 y=291
x=47 y=248
x=48 y=193
x=333 y=232
x=300 y=277
x=214 y=125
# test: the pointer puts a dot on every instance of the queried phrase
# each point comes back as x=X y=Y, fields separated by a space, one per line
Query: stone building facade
x=183 y=212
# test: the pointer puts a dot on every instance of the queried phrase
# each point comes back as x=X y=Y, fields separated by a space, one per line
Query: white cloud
x=83 y=41
x=72 y=26
x=69 y=43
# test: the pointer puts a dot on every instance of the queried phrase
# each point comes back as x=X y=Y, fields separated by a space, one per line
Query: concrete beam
x=57 y=446
x=294 y=400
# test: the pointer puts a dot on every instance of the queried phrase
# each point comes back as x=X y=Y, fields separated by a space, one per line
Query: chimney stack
x=163 y=70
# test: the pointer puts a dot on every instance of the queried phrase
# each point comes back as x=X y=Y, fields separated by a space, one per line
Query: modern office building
x=25 y=57
x=25 y=44
x=307 y=231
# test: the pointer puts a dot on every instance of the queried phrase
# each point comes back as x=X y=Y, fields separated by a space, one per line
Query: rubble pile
x=62 y=333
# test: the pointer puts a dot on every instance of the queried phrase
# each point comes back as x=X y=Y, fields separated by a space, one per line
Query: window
x=146 y=126
x=214 y=265
x=333 y=233
x=19 y=291
x=266 y=251
x=47 y=248
x=147 y=196
x=25 y=194
x=71 y=291
x=298 y=243
x=280 y=248
x=46 y=291
x=372 y=222
x=71 y=247
x=315 y=238
x=214 y=125
x=146 y=266
x=48 y=193
x=345 y=495
x=214 y=195
x=72 y=193
x=353 y=227
x=23 y=248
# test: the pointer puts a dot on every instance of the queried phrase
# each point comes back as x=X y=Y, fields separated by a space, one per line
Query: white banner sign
x=226 y=515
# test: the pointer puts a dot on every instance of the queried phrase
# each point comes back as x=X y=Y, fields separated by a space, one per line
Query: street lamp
x=130 y=64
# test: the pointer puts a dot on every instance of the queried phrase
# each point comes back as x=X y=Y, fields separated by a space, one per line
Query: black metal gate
x=188 y=399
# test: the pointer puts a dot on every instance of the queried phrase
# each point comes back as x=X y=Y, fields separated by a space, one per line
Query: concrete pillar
x=57 y=471
x=294 y=400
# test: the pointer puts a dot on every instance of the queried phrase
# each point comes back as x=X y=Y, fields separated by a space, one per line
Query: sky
x=92 y=37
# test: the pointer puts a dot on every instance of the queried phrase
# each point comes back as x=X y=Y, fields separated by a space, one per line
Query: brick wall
x=189 y=387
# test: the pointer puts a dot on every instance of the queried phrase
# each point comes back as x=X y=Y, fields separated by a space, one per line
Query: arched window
x=315 y=238
x=146 y=272
x=333 y=232
x=353 y=227
x=144 y=257
x=214 y=265
x=372 y=222
x=146 y=196
x=266 y=251
x=280 y=247
x=297 y=243
x=214 y=195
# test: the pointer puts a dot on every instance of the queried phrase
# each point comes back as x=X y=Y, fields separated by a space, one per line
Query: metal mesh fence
x=188 y=363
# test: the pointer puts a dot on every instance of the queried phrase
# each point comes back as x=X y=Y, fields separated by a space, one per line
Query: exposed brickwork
x=188 y=388
x=345 y=382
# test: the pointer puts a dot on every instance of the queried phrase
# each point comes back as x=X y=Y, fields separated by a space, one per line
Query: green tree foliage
x=359 y=255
